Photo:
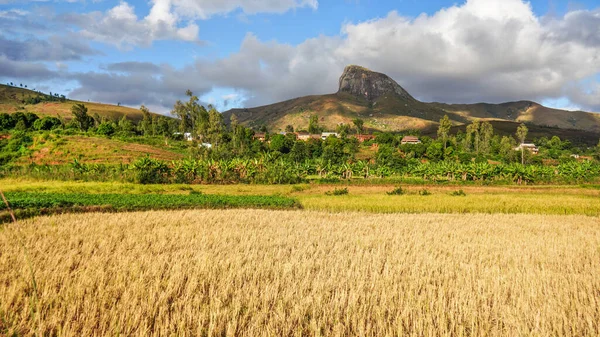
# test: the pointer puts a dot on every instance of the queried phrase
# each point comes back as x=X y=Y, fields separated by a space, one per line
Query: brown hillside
x=11 y=100
x=386 y=106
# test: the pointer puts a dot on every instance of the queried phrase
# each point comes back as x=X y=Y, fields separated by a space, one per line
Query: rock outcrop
x=362 y=82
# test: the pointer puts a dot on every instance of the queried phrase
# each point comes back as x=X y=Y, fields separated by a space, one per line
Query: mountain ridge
x=386 y=106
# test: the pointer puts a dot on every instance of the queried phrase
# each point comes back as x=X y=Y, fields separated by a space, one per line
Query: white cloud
x=204 y=9
x=482 y=50
x=120 y=26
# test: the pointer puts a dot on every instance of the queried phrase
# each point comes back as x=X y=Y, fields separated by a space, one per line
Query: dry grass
x=65 y=149
x=298 y=273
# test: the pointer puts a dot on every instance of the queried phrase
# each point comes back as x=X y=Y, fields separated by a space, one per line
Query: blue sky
x=244 y=53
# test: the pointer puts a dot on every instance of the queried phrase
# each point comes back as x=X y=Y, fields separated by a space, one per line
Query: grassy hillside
x=55 y=149
x=11 y=100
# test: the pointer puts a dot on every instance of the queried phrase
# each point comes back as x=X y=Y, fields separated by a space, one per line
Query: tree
x=146 y=123
x=194 y=117
x=507 y=146
x=289 y=128
x=82 y=119
x=444 y=130
x=313 y=125
x=125 y=125
x=359 y=124
x=521 y=135
x=343 y=130
x=486 y=133
x=215 y=126
x=473 y=136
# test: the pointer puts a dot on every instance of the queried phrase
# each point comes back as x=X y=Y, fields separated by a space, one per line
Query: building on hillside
x=529 y=147
x=410 y=140
x=303 y=136
x=324 y=135
x=260 y=136
x=186 y=135
x=363 y=138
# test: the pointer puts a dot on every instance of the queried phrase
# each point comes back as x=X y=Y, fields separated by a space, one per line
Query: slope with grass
x=11 y=100
x=296 y=273
x=55 y=149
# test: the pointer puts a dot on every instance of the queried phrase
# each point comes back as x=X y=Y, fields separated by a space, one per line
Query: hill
x=385 y=106
x=13 y=99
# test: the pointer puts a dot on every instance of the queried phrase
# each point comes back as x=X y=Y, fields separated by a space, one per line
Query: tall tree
x=215 y=126
x=146 y=123
x=343 y=130
x=444 y=130
x=193 y=116
x=83 y=120
x=313 y=124
x=486 y=133
x=359 y=124
x=472 y=138
x=522 y=131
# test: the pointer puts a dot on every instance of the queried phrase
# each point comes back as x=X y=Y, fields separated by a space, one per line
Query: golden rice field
x=300 y=273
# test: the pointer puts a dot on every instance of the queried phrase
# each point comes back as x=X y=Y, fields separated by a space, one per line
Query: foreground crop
x=27 y=204
x=257 y=272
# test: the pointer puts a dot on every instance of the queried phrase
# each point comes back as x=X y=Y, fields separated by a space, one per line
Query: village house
x=186 y=136
x=324 y=135
x=363 y=138
x=529 y=147
x=410 y=140
x=303 y=136
x=260 y=136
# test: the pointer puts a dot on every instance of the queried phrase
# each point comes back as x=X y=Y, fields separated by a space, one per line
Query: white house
x=529 y=147
x=410 y=140
x=324 y=135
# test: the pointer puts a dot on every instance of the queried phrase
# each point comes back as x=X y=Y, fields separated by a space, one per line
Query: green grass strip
x=125 y=202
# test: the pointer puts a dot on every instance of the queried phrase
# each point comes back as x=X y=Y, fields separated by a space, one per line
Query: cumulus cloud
x=204 y=9
x=481 y=50
x=120 y=26
x=167 y=19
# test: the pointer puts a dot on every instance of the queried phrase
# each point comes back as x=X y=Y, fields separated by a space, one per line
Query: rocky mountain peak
x=362 y=82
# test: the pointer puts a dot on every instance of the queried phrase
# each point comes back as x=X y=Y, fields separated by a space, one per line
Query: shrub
x=150 y=171
x=459 y=193
x=106 y=129
x=338 y=191
x=396 y=191
x=424 y=192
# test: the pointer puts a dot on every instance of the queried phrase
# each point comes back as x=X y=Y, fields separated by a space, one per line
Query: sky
x=245 y=53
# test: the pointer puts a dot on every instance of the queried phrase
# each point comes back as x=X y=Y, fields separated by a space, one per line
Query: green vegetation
x=27 y=203
x=220 y=153
x=338 y=191
x=538 y=199
x=396 y=191
x=459 y=193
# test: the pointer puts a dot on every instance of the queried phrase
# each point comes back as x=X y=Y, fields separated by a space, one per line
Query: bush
x=338 y=191
x=424 y=192
x=150 y=171
x=459 y=193
x=106 y=129
x=396 y=191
